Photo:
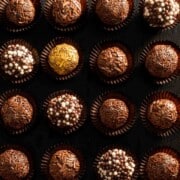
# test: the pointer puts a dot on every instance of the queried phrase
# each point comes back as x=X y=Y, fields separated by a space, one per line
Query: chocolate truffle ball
x=112 y=62
x=63 y=59
x=66 y=12
x=113 y=12
x=14 y=164
x=161 y=13
x=162 y=61
x=64 y=111
x=162 y=113
x=20 y=12
x=16 y=112
x=64 y=165
x=114 y=113
x=116 y=164
x=17 y=61
x=162 y=166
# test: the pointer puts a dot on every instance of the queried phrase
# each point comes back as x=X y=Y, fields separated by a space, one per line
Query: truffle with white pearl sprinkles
x=161 y=13
x=64 y=111
x=115 y=164
x=17 y=61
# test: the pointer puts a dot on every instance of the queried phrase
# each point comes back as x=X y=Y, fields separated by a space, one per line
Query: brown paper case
x=68 y=130
x=112 y=28
x=5 y=96
x=53 y=149
x=73 y=27
x=142 y=58
x=29 y=76
x=22 y=149
x=14 y=28
x=94 y=56
x=144 y=107
x=45 y=53
x=96 y=119
x=168 y=150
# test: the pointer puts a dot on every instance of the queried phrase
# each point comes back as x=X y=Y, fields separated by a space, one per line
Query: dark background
x=88 y=139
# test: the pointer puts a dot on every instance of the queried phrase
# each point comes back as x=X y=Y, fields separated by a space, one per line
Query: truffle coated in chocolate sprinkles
x=64 y=110
x=66 y=12
x=162 y=165
x=162 y=113
x=112 y=62
x=161 y=13
x=16 y=112
x=20 y=12
x=114 y=113
x=112 y=12
x=64 y=164
x=17 y=61
x=162 y=60
x=14 y=164
x=116 y=164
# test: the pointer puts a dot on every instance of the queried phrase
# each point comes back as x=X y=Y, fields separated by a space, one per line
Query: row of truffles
x=65 y=13
x=65 y=111
x=66 y=163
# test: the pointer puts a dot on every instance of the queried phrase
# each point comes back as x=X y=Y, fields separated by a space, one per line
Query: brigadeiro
x=62 y=59
x=112 y=62
x=19 y=61
x=162 y=61
x=112 y=114
x=65 y=15
x=14 y=164
x=161 y=13
x=162 y=112
x=114 y=14
x=161 y=164
x=17 y=111
x=115 y=163
x=63 y=162
x=19 y=15
x=65 y=111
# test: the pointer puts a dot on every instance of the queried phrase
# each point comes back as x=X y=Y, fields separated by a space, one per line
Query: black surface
x=88 y=139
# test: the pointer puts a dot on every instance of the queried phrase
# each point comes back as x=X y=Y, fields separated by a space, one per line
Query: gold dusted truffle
x=63 y=59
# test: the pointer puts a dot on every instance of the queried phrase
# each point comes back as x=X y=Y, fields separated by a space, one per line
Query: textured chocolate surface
x=16 y=112
x=114 y=113
x=20 y=12
x=64 y=111
x=162 y=166
x=162 y=61
x=161 y=13
x=112 y=62
x=66 y=12
x=64 y=165
x=17 y=61
x=116 y=164
x=162 y=113
x=112 y=12
x=63 y=59
x=14 y=165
